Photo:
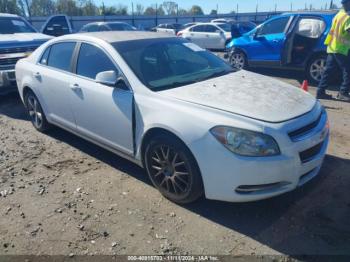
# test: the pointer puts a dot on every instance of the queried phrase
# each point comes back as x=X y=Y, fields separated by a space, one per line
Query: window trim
x=75 y=63
x=290 y=19
x=55 y=68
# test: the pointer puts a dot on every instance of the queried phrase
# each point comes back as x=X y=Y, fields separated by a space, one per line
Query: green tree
x=42 y=7
x=88 y=8
x=183 y=11
x=170 y=7
x=139 y=9
x=196 y=10
x=68 y=7
x=213 y=12
x=121 y=10
x=150 y=11
x=10 y=6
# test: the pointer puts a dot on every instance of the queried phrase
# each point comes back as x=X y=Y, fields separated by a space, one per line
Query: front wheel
x=238 y=60
x=173 y=170
x=36 y=113
x=316 y=68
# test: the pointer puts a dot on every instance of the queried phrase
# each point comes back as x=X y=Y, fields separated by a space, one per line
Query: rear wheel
x=36 y=113
x=173 y=170
x=316 y=68
x=238 y=60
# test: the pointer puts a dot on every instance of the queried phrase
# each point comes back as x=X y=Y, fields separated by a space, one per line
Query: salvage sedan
x=195 y=125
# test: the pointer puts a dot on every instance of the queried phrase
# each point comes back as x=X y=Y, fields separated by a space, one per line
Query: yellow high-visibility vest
x=338 y=39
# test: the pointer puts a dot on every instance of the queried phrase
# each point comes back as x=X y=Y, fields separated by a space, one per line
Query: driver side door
x=267 y=44
x=103 y=113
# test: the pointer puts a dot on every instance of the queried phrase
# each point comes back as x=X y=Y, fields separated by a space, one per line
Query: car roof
x=318 y=13
x=7 y=15
x=104 y=23
x=119 y=36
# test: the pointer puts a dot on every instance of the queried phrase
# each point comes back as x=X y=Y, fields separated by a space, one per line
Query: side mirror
x=108 y=78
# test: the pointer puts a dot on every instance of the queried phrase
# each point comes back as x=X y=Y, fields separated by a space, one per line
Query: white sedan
x=183 y=114
x=208 y=35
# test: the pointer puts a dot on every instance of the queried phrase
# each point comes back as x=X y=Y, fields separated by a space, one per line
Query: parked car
x=196 y=125
x=223 y=20
x=107 y=26
x=168 y=28
x=291 y=41
x=17 y=40
x=57 y=25
x=208 y=35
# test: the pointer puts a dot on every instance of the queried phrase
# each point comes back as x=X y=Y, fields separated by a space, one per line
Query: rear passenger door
x=103 y=113
x=198 y=36
x=53 y=77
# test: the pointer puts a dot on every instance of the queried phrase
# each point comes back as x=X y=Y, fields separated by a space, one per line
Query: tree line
x=89 y=8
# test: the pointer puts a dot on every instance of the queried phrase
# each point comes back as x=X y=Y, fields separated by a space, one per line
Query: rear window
x=311 y=27
x=61 y=56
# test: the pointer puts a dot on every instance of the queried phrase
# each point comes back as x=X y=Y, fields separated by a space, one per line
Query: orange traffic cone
x=305 y=86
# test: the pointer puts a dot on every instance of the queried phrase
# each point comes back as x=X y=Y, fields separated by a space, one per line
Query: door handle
x=75 y=87
x=37 y=75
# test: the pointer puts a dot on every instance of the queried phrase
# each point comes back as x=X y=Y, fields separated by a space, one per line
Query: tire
x=173 y=170
x=238 y=60
x=315 y=68
x=36 y=113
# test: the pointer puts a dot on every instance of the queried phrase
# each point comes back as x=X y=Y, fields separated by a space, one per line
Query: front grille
x=18 y=50
x=309 y=154
x=294 y=135
x=9 y=61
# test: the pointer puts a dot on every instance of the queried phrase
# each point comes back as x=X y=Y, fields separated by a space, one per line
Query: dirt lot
x=63 y=195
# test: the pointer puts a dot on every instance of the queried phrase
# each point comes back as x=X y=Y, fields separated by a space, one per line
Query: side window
x=103 y=28
x=199 y=28
x=45 y=57
x=211 y=29
x=311 y=27
x=57 y=26
x=61 y=55
x=92 y=60
x=276 y=26
x=93 y=28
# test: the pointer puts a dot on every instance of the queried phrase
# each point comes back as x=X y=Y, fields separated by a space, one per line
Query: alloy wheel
x=35 y=112
x=170 y=171
x=317 y=69
x=237 y=60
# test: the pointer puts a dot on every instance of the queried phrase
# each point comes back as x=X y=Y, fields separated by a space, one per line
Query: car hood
x=9 y=40
x=248 y=94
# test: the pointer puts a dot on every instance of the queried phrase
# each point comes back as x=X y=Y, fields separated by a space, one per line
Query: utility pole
x=156 y=14
x=331 y=5
x=275 y=8
x=28 y=10
x=291 y=6
x=132 y=13
x=237 y=10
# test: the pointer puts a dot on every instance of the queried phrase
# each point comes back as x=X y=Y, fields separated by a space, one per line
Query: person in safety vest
x=338 y=46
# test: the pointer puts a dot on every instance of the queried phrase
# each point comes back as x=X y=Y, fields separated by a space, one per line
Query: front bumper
x=233 y=178
x=7 y=81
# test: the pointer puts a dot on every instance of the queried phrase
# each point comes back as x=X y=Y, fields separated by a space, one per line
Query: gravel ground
x=61 y=195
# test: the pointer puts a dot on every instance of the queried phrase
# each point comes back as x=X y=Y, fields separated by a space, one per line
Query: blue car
x=291 y=41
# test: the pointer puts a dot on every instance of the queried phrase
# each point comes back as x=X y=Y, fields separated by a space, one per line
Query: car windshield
x=120 y=27
x=170 y=62
x=13 y=25
x=225 y=27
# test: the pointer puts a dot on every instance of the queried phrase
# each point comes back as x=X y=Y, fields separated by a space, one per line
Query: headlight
x=245 y=142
